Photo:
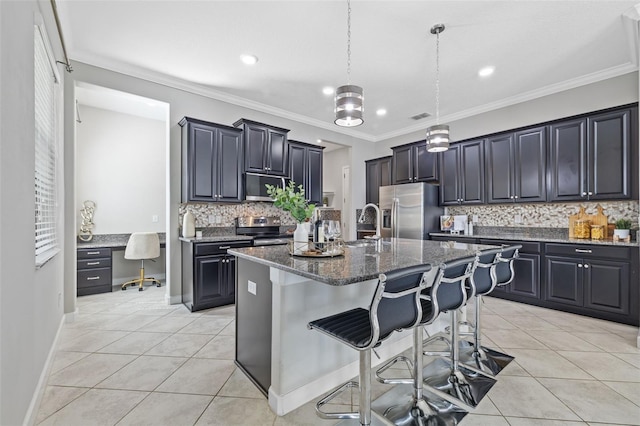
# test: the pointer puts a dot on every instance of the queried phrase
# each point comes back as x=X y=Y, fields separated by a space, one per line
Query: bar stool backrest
x=448 y=290
x=484 y=277
x=504 y=269
x=396 y=302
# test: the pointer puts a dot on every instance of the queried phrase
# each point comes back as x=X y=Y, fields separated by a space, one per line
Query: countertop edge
x=215 y=239
x=515 y=237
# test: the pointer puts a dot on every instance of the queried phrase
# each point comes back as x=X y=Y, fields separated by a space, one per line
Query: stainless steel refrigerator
x=410 y=210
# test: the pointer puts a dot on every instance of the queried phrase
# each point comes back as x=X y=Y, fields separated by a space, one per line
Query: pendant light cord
x=348 y=41
x=438 y=77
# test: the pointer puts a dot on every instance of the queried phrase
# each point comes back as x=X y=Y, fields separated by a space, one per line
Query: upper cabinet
x=378 y=173
x=413 y=163
x=516 y=166
x=265 y=147
x=594 y=158
x=462 y=174
x=211 y=161
x=305 y=168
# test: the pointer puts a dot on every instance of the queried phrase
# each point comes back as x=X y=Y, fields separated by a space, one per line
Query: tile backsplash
x=545 y=215
x=224 y=214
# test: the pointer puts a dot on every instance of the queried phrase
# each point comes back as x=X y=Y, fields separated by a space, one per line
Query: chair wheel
x=159 y=285
x=140 y=289
x=124 y=288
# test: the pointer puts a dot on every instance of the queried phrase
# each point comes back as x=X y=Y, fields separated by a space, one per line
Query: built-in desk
x=94 y=261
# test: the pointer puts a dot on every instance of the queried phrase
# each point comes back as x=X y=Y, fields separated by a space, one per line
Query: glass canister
x=582 y=228
x=597 y=232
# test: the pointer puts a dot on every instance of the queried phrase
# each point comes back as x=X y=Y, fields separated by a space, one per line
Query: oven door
x=255 y=189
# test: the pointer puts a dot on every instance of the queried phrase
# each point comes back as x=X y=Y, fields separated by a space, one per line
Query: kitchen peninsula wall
x=546 y=215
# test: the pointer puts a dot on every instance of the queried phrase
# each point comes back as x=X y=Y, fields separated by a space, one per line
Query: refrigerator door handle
x=394 y=218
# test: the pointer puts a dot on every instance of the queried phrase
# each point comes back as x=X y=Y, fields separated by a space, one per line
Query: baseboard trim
x=32 y=411
x=173 y=300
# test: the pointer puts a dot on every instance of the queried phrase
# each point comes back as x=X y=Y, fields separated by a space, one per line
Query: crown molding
x=197 y=89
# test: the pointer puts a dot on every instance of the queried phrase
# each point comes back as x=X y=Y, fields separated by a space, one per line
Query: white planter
x=621 y=233
x=301 y=238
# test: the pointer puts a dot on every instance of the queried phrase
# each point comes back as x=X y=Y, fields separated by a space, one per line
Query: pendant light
x=438 y=134
x=349 y=98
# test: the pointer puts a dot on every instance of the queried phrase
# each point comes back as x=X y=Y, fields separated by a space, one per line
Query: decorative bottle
x=188 y=225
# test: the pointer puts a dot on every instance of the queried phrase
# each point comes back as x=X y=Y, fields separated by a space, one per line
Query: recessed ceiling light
x=486 y=71
x=249 y=59
x=327 y=90
x=319 y=140
x=381 y=112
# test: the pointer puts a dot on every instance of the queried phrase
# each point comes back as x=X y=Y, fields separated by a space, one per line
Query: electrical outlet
x=218 y=219
x=474 y=218
x=518 y=218
x=154 y=218
x=212 y=219
x=252 y=288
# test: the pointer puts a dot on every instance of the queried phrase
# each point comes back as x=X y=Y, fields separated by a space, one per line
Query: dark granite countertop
x=111 y=241
x=547 y=235
x=216 y=239
x=359 y=263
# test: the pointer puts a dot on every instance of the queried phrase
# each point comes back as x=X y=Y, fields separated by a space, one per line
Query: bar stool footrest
x=330 y=396
x=391 y=363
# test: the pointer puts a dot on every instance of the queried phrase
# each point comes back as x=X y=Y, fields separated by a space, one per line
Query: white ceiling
x=537 y=48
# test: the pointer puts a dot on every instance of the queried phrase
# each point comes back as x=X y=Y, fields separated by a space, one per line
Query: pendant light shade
x=438 y=134
x=349 y=100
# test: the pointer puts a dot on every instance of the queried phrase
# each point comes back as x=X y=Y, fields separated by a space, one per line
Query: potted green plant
x=292 y=200
x=622 y=228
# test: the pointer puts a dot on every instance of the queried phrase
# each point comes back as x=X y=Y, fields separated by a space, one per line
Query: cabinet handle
x=516 y=197
x=583 y=251
x=93 y=253
x=586 y=266
x=590 y=193
x=224 y=247
x=584 y=194
x=92 y=263
x=93 y=278
x=579 y=265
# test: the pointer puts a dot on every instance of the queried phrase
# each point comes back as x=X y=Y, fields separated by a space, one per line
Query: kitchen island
x=278 y=294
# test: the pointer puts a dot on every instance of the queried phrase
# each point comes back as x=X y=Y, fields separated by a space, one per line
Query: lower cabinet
x=593 y=280
x=93 y=271
x=208 y=274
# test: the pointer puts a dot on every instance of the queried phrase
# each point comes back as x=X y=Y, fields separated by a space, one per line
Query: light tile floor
x=129 y=359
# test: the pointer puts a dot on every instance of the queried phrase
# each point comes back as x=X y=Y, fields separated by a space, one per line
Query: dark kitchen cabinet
x=462 y=174
x=93 y=271
x=525 y=286
x=378 y=173
x=212 y=157
x=594 y=158
x=208 y=274
x=413 y=163
x=516 y=166
x=265 y=148
x=600 y=281
x=305 y=168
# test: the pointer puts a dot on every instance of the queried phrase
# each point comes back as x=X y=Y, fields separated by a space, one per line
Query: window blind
x=46 y=195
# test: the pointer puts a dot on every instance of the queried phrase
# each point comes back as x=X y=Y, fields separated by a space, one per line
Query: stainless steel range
x=265 y=230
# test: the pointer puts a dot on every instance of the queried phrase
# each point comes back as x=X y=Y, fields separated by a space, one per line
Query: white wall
x=121 y=167
x=31 y=308
x=333 y=162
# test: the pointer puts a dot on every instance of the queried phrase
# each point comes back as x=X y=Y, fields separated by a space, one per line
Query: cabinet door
x=526 y=281
x=530 y=170
x=385 y=171
x=568 y=161
x=210 y=289
x=276 y=162
x=564 y=280
x=297 y=164
x=499 y=152
x=609 y=155
x=402 y=165
x=229 y=166
x=255 y=150
x=201 y=163
x=314 y=180
x=472 y=172
x=425 y=163
x=230 y=277
x=449 y=181
x=606 y=286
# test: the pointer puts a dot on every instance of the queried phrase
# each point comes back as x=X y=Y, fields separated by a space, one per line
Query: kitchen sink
x=361 y=243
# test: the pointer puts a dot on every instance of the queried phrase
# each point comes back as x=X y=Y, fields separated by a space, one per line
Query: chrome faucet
x=378 y=220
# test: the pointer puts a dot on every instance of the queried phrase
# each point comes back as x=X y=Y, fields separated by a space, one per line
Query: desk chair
x=141 y=246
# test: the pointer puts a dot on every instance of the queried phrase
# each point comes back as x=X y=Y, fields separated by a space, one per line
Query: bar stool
x=395 y=306
x=495 y=268
x=447 y=293
x=445 y=376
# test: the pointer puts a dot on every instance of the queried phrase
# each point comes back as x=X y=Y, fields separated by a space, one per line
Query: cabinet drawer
x=204 y=249
x=587 y=251
x=527 y=246
x=94 y=277
x=94 y=253
x=94 y=263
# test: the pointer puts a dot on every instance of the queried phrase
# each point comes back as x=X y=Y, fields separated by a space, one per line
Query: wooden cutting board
x=596 y=219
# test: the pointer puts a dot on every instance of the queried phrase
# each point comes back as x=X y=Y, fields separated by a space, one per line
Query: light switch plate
x=518 y=218
x=212 y=219
x=252 y=288
x=474 y=219
x=154 y=218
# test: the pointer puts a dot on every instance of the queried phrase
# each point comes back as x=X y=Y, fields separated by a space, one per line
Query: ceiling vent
x=421 y=116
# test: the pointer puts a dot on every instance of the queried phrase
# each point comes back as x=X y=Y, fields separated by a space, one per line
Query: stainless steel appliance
x=254 y=186
x=410 y=210
x=265 y=230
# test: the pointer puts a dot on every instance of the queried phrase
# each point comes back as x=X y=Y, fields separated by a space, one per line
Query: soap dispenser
x=188 y=225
